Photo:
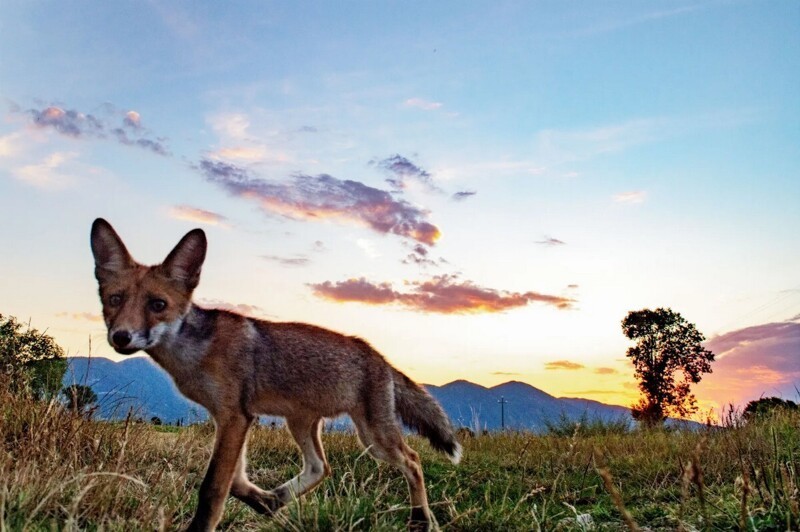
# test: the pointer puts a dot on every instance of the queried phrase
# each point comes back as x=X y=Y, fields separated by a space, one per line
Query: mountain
x=135 y=383
x=139 y=384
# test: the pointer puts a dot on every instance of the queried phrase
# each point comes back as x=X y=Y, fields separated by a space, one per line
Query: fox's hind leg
x=259 y=500
x=306 y=432
x=384 y=439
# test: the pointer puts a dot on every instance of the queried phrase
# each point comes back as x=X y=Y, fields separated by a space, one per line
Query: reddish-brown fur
x=239 y=368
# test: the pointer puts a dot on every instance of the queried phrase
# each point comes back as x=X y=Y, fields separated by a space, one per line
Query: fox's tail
x=420 y=412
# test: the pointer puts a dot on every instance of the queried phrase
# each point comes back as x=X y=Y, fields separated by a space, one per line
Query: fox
x=239 y=367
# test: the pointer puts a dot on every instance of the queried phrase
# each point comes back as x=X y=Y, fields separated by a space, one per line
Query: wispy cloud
x=463 y=194
x=324 y=197
x=75 y=124
x=193 y=214
x=632 y=197
x=11 y=145
x=634 y=20
x=402 y=171
x=81 y=316
x=550 y=242
x=563 y=364
x=239 y=308
x=420 y=256
x=605 y=371
x=421 y=103
x=49 y=174
x=298 y=260
x=443 y=294
x=506 y=373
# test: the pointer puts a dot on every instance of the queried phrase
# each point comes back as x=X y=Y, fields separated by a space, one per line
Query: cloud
x=324 y=197
x=463 y=194
x=368 y=247
x=634 y=196
x=232 y=126
x=11 y=145
x=550 y=242
x=402 y=170
x=564 y=364
x=67 y=122
x=605 y=371
x=246 y=153
x=752 y=362
x=193 y=214
x=239 y=308
x=298 y=260
x=83 y=316
x=420 y=103
x=506 y=373
x=75 y=124
x=47 y=175
x=443 y=294
x=583 y=393
x=132 y=120
x=419 y=256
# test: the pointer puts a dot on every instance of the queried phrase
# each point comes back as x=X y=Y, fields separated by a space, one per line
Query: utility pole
x=502 y=402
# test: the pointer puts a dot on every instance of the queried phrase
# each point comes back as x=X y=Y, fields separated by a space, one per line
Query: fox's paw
x=420 y=521
x=263 y=502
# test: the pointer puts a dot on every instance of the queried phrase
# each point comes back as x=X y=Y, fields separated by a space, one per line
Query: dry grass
x=61 y=471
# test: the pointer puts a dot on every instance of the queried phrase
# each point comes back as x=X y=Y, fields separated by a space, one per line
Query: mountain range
x=138 y=384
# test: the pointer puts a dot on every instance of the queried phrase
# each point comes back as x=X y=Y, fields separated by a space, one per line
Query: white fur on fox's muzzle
x=127 y=342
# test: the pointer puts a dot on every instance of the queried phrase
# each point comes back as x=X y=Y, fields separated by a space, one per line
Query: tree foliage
x=33 y=360
x=767 y=406
x=668 y=358
x=79 y=396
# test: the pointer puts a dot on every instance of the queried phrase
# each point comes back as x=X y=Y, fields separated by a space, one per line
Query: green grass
x=64 y=472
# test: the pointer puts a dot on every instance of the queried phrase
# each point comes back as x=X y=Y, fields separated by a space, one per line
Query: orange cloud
x=605 y=371
x=442 y=294
x=563 y=364
x=192 y=214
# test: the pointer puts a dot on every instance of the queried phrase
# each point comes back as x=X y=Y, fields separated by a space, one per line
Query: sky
x=482 y=190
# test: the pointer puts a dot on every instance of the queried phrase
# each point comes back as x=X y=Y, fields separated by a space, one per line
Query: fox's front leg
x=230 y=438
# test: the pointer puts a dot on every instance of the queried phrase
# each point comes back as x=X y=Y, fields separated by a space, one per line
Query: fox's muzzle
x=121 y=341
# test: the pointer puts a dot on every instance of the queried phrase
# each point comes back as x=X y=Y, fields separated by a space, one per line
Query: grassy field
x=64 y=472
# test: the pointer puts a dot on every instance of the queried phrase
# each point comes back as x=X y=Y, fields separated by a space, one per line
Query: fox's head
x=142 y=305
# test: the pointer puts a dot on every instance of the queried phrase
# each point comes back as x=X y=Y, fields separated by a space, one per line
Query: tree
x=33 y=360
x=668 y=357
x=767 y=406
x=79 y=396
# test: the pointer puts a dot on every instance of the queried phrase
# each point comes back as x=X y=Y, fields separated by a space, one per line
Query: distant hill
x=139 y=384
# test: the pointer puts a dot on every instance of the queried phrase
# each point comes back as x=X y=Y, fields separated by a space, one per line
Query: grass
x=60 y=471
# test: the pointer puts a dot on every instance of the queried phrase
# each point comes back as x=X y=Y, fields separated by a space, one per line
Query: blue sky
x=481 y=189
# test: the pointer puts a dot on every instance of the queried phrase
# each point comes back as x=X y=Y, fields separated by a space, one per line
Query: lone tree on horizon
x=669 y=357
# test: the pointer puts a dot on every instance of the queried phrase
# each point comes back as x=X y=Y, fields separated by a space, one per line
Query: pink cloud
x=753 y=362
x=443 y=294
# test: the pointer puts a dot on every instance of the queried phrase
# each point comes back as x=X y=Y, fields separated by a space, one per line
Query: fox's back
x=297 y=365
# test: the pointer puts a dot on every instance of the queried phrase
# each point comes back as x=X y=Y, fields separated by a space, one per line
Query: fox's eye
x=157 y=305
x=115 y=300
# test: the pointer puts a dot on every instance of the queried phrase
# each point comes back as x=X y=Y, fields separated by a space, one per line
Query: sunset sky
x=482 y=190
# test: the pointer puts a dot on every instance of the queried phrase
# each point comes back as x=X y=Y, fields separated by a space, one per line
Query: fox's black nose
x=121 y=338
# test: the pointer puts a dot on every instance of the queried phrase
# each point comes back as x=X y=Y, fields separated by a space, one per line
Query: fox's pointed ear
x=184 y=262
x=110 y=254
